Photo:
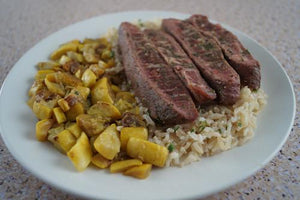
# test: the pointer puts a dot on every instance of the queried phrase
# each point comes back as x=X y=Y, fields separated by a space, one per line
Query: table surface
x=274 y=24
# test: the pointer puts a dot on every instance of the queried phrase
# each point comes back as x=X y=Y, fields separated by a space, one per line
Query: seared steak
x=236 y=54
x=153 y=81
x=175 y=57
x=208 y=57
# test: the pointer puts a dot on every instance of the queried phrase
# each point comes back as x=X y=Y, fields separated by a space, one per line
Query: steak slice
x=175 y=57
x=209 y=59
x=153 y=81
x=237 y=55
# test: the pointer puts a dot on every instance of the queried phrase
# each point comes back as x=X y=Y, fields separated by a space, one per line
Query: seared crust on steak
x=237 y=55
x=157 y=86
x=182 y=65
x=208 y=57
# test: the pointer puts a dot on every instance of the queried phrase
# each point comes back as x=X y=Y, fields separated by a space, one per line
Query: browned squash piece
x=100 y=161
x=105 y=110
x=91 y=124
x=81 y=154
x=140 y=172
x=123 y=165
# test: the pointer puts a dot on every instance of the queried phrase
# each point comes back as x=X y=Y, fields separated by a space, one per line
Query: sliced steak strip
x=209 y=59
x=237 y=55
x=175 y=57
x=153 y=81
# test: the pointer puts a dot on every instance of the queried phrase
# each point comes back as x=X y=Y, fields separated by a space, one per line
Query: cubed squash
x=41 y=129
x=74 y=129
x=81 y=154
x=102 y=91
x=54 y=87
x=88 y=78
x=41 y=111
x=123 y=165
x=59 y=115
x=91 y=124
x=105 y=110
x=63 y=104
x=41 y=74
x=101 y=162
x=66 y=140
x=74 y=111
x=63 y=49
x=108 y=143
x=141 y=172
x=146 y=151
x=127 y=132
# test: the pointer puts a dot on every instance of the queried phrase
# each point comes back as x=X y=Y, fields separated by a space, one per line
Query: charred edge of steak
x=209 y=59
x=237 y=55
x=157 y=86
x=181 y=64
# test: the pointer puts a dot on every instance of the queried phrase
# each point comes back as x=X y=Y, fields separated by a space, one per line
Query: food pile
x=87 y=117
x=150 y=94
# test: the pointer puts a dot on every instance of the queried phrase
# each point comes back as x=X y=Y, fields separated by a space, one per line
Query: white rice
x=218 y=128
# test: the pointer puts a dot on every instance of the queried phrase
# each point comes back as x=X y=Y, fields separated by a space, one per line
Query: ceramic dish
x=197 y=180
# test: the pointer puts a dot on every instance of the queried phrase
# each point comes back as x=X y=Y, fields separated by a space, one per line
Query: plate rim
x=74 y=192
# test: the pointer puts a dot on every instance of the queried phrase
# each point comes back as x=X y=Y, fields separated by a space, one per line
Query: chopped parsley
x=220 y=131
x=192 y=130
x=76 y=92
x=112 y=54
x=171 y=147
x=176 y=128
x=202 y=126
x=140 y=23
x=239 y=124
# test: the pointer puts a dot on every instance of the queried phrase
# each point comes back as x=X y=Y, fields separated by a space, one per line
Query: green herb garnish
x=112 y=54
x=140 y=23
x=239 y=124
x=176 y=128
x=171 y=147
x=202 y=126
x=76 y=92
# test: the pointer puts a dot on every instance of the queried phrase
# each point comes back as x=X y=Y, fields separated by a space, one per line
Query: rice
x=217 y=129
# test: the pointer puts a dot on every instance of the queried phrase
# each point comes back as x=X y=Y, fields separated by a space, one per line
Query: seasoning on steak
x=157 y=86
x=209 y=59
x=175 y=57
x=237 y=55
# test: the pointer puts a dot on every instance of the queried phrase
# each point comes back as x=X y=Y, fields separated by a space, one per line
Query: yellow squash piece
x=102 y=91
x=74 y=129
x=88 y=78
x=123 y=165
x=41 y=111
x=63 y=104
x=48 y=65
x=41 y=74
x=59 y=115
x=53 y=86
x=105 y=110
x=123 y=105
x=140 y=172
x=98 y=71
x=75 y=56
x=81 y=154
x=127 y=96
x=83 y=91
x=128 y=132
x=100 y=161
x=52 y=137
x=74 y=111
x=41 y=129
x=108 y=143
x=146 y=151
x=115 y=89
x=90 y=124
x=65 y=140
x=62 y=50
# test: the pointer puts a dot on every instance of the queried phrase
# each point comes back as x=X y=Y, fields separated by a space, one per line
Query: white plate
x=196 y=180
